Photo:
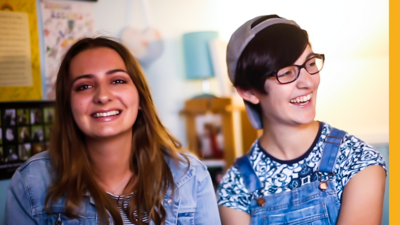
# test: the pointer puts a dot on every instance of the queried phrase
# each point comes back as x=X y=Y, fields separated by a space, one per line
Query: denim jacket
x=194 y=201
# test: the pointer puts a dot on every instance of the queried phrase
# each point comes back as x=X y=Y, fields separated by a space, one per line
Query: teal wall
x=384 y=150
x=3 y=192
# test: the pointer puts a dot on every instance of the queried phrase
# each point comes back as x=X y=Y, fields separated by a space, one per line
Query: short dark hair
x=272 y=48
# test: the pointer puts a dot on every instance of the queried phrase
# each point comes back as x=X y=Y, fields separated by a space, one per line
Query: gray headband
x=242 y=36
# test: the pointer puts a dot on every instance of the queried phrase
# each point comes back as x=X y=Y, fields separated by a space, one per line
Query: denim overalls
x=313 y=203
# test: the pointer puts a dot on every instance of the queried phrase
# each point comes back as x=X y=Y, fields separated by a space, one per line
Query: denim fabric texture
x=194 y=201
x=307 y=204
x=276 y=176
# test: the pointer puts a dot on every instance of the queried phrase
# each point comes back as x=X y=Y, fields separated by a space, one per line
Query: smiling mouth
x=105 y=114
x=301 y=100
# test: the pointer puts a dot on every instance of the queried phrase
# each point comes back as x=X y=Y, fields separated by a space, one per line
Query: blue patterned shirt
x=280 y=175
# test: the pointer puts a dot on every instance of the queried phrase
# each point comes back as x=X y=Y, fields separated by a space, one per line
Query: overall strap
x=331 y=150
x=250 y=178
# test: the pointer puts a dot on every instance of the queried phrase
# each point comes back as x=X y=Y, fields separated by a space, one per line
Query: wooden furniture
x=238 y=134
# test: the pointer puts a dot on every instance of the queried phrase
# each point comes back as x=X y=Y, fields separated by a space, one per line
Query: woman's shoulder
x=188 y=165
x=193 y=159
x=348 y=138
x=37 y=164
x=36 y=171
x=38 y=160
x=31 y=181
x=186 y=159
x=355 y=155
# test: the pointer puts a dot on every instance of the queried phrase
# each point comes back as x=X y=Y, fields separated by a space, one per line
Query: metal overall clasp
x=58 y=222
x=260 y=200
x=323 y=184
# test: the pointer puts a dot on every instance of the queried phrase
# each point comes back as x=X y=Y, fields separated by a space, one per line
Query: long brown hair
x=151 y=142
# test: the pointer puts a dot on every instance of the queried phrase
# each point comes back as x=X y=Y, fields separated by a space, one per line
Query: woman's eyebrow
x=116 y=71
x=82 y=77
x=91 y=75
x=310 y=54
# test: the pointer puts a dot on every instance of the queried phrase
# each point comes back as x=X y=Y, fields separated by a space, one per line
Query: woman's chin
x=105 y=134
x=305 y=120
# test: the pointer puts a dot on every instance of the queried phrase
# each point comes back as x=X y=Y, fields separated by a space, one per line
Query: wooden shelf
x=238 y=134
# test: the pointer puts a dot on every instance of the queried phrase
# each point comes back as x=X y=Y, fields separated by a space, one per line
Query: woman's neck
x=110 y=158
x=287 y=142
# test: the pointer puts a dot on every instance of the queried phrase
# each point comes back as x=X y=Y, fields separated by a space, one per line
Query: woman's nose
x=102 y=95
x=306 y=80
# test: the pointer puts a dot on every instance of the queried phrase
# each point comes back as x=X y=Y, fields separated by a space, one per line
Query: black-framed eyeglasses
x=289 y=74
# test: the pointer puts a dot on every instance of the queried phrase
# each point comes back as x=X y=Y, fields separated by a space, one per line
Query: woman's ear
x=248 y=95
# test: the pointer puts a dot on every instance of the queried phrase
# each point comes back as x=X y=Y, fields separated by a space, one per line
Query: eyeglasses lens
x=290 y=73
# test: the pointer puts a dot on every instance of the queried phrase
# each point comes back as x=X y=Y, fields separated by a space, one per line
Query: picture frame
x=210 y=139
x=237 y=134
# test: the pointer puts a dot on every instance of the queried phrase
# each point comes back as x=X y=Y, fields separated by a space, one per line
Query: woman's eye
x=285 y=73
x=311 y=64
x=119 y=82
x=312 y=59
x=83 y=87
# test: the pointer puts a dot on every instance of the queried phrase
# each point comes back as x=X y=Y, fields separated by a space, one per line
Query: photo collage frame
x=25 y=130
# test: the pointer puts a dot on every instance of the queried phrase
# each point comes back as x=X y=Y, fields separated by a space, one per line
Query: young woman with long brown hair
x=111 y=161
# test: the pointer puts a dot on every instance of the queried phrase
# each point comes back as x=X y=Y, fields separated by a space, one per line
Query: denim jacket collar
x=181 y=174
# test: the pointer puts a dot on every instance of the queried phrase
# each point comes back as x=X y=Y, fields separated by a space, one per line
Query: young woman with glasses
x=300 y=171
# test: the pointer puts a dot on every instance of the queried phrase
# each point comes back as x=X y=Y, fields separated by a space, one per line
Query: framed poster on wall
x=20 y=78
x=210 y=139
x=25 y=130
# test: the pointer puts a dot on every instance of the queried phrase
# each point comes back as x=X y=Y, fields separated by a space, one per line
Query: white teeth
x=301 y=99
x=111 y=113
